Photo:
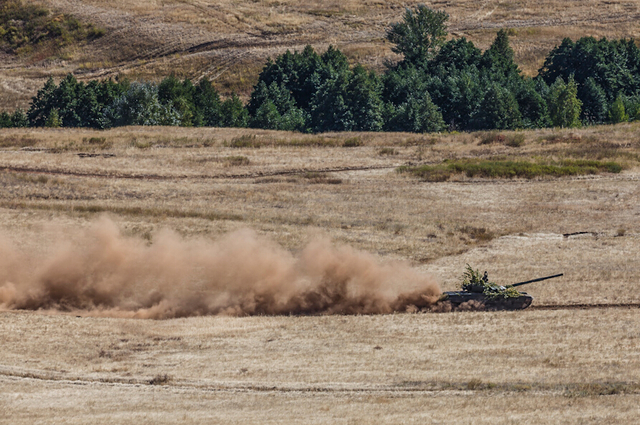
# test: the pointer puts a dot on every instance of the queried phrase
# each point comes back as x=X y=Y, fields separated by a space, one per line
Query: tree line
x=439 y=85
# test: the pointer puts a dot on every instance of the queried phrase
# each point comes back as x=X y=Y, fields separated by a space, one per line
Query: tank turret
x=479 y=293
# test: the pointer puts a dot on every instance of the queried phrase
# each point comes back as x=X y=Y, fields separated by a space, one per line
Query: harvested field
x=575 y=350
x=434 y=368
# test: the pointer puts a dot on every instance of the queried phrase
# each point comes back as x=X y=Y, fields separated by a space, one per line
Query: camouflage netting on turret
x=473 y=281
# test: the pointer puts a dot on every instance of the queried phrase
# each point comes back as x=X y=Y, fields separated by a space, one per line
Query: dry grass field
x=229 y=41
x=572 y=358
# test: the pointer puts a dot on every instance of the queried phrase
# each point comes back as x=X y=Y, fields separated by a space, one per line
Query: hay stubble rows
x=581 y=363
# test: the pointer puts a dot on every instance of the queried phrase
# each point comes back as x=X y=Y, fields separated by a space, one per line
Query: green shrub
x=509 y=169
x=352 y=142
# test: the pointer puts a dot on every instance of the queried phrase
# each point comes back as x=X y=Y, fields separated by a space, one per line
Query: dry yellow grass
x=537 y=366
x=435 y=368
x=581 y=364
x=294 y=186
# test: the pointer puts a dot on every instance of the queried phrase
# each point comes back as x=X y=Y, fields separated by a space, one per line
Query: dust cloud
x=104 y=273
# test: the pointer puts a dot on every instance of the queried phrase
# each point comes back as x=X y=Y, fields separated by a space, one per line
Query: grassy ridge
x=510 y=169
x=24 y=27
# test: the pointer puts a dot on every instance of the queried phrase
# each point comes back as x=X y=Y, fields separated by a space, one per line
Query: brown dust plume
x=102 y=272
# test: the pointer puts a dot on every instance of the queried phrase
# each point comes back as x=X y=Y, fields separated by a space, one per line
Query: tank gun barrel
x=536 y=280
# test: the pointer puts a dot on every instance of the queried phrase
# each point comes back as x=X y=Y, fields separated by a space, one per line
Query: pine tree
x=19 y=119
x=207 y=105
x=499 y=110
x=41 y=104
x=363 y=100
x=594 y=102
x=5 y=120
x=498 y=59
x=233 y=112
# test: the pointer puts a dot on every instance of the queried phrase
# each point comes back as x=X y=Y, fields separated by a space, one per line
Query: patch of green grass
x=254 y=142
x=122 y=210
x=245 y=141
x=572 y=390
x=506 y=169
x=513 y=140
x=352 y=142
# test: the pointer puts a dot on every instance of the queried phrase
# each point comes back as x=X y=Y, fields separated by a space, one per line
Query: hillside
x=229 y=41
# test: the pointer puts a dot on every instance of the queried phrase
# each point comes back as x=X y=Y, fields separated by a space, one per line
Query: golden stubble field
x=561 y=364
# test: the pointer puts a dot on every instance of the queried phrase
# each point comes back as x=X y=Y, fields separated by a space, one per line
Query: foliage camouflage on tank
x=481 y=294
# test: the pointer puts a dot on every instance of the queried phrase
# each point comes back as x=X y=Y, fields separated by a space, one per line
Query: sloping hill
x=228 y=41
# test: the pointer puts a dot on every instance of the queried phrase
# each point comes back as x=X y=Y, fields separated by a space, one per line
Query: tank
x=480 y=294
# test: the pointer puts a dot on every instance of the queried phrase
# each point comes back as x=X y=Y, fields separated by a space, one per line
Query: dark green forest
x=439 y=85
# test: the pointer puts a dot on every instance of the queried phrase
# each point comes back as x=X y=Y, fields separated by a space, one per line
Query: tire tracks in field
x=583 y=306
x=611 y=18
x=255 y=175
x=276 y=173
x=405 y=388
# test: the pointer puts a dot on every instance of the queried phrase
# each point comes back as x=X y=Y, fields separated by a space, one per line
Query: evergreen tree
x=301 y=74
x=594 y=102
x=41 y=104
x=140 y=105
x=276 y=110
x=363 y=100
x=459 y=97
x=498 y=60
x=5 y=120
x=266 y=116
x=403 y=83
x=329 y=110
x=66 y=100
x=88 y=109
x=632 y=107
x=418 y=114
x=499 y=110
x=207 y=104
x=532 y=105
x=458 y=54
x=19 y=119
x=233 y=112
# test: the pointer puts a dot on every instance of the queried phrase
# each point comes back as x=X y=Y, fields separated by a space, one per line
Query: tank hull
x=480 y=301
